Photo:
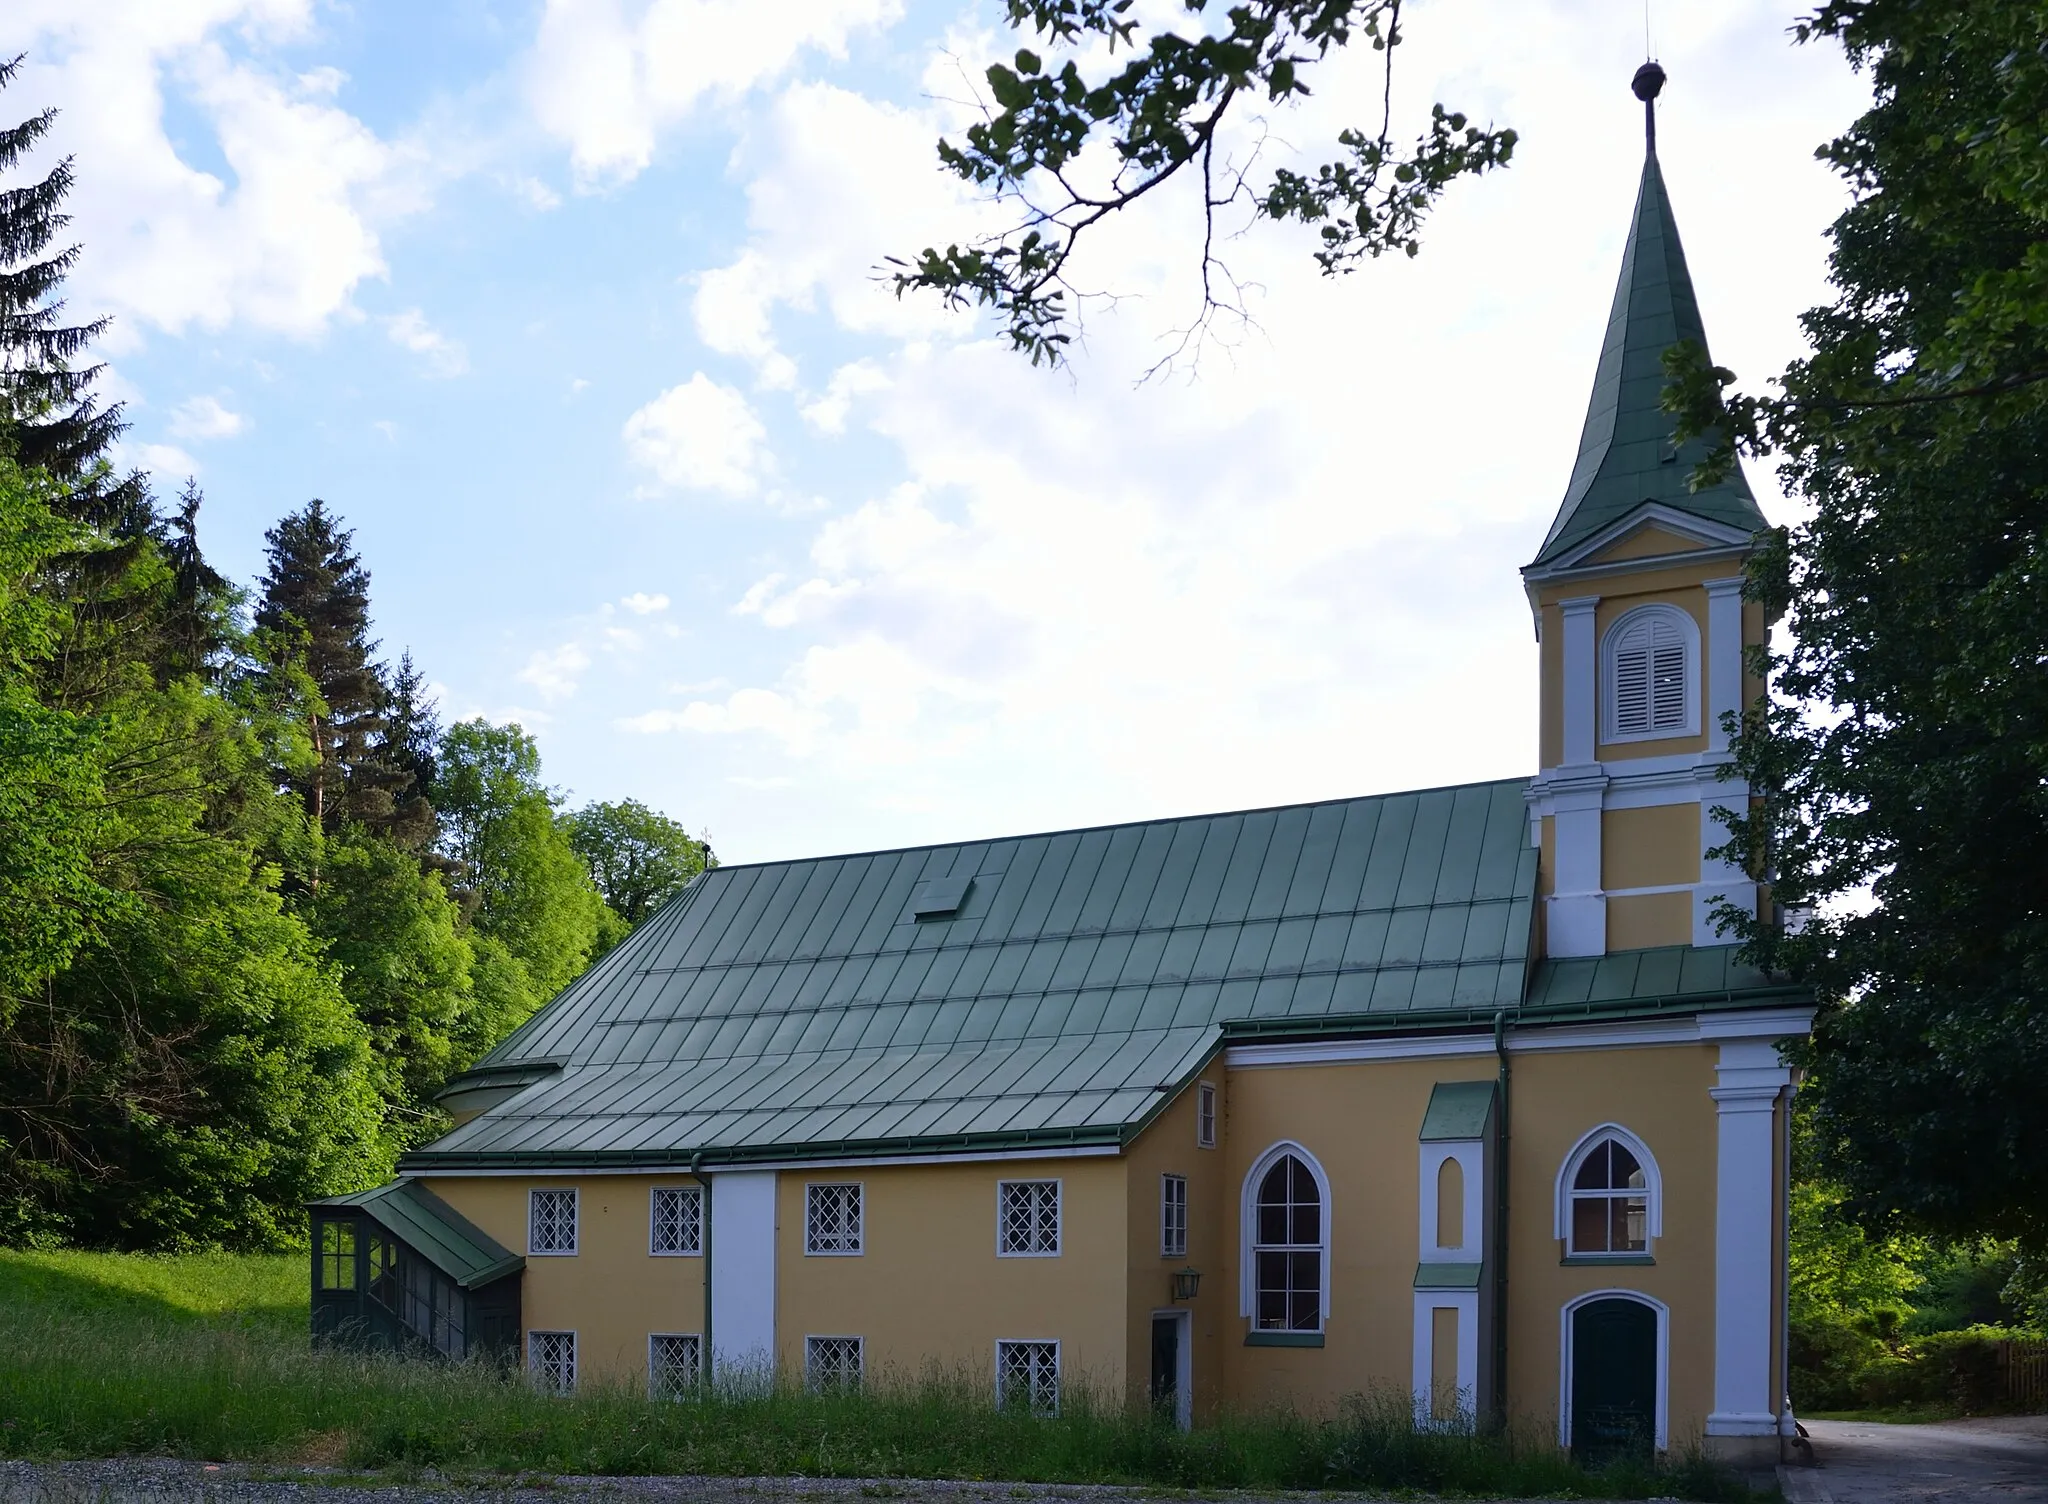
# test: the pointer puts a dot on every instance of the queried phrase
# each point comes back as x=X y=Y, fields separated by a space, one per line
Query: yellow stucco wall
x=611 y=1292
x=1360 y=1122
x=930 y=1286
x=1647 y=848
x=1660 y=1095
x=1167 y=1146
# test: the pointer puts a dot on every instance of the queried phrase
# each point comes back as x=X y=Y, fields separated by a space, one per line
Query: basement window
x=832 y=1363
x=1028 y=1376
x=551 y=1361
x=674 y=1362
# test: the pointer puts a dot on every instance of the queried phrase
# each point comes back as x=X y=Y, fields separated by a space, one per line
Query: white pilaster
x=1576 y=914
x=1746 y=1250
x=1581 y=680
x=1720 y=880
x=743 y=1275
x=1723 y=657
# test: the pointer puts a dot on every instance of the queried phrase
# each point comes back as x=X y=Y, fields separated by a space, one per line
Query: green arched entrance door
x=1614 y=1378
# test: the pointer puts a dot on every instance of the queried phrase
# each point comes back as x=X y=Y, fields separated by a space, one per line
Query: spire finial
x=1648 y=81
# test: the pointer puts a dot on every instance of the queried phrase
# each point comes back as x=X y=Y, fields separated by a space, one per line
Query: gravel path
x=1996 y=1461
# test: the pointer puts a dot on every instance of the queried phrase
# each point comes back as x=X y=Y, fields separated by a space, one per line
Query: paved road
x=1978 y=1461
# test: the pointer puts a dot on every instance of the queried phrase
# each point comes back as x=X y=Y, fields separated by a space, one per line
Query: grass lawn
x=207 y=1356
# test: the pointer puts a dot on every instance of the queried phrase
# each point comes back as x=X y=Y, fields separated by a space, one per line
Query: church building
x=1457 y=1091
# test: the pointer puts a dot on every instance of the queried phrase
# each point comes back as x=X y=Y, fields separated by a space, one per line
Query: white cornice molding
x=682 y=1167
x=1526 y=1039
x=1716 y=539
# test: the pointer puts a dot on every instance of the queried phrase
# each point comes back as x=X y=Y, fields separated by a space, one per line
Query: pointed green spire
x=1625 y=454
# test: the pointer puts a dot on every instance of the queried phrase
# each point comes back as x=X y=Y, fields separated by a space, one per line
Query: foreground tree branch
x=1158 y=115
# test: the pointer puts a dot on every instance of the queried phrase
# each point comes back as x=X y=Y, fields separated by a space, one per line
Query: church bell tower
x=1643 y=631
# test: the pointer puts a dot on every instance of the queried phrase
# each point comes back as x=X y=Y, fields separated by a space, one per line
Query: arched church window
x=1650 y=675
x=1287 y=1249
x=1609 y=1195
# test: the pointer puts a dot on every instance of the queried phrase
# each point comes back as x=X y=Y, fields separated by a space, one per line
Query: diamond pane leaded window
x=1028 y=1217
x=832 y=1219
x=551 y=1222
x=832 y=1362
x=1610 y=1202
x=1173 y=1216
x=675 y=1219
x=1028 y=1376
x=551 y=1361
x=1287 y=1250
x=674 y=1365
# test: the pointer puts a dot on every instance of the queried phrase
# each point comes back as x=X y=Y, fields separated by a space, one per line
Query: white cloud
x=205 y=417
x=555 y=672
x=166 y=461
x=702 y=436
x=283 y=240
x=745 y=710
x=855 y=379
x=608 y=76
x=642 y=604
x=440 y=355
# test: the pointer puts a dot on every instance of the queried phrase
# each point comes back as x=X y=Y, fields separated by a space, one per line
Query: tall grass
x=96 y=1360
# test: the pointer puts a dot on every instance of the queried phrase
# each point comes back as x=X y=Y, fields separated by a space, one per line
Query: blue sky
x=570 y=310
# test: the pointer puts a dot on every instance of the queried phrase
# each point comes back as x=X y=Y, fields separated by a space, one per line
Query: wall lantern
x=1186 y=1282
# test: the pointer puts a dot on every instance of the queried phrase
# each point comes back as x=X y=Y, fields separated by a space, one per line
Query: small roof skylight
x=939 y=897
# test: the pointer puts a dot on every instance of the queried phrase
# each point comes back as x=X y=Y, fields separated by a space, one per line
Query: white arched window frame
x=1566 y=1357
x=1650 y=675
x=1248 y=1219
x=1653 y=1181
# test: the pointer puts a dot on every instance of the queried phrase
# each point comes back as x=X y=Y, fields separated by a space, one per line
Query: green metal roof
x=1663 y=979
x=1457 y=1110
x=802 y=1007
x=1625 y=454
x=436 y=1231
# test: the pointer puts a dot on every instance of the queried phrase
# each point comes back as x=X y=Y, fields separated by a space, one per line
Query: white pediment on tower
x=1650 y=532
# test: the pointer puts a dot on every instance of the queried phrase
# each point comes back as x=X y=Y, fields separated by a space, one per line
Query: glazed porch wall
x=1361 y=1122
x=1660 y=1095
x=1167 y=1146
x=929 y=1287
x=612 y=1293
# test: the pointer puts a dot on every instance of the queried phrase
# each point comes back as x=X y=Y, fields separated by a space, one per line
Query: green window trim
x=1283 y=1339
x=1574 y=1259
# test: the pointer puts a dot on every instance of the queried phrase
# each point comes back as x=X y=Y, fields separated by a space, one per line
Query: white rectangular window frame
x=834 y=1363
x=833 y=1220
x=551 y=1222
x=551 y=1361
x=675 y=1221
x=1173 y=1216
x=1205 y=1115
x=675 y=1364
x=1028 y=1219
x=1028 y=1374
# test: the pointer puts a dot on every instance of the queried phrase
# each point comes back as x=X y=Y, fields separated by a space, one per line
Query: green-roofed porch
x=399 y=1267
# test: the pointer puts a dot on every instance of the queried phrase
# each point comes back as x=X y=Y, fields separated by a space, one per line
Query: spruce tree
x=316 y=607
x=410 y=745
x=49 y=418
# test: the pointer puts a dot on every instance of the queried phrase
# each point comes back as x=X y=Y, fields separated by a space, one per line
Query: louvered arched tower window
x=1650 y=675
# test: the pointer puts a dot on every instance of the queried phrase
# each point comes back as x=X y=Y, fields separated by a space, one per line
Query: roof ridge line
x=1082 y=830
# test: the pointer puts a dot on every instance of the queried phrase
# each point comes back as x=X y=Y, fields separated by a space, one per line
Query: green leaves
x=1068 y=150
x=1905 y=749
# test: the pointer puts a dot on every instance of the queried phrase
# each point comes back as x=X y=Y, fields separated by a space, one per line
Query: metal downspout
x=1500 y=1226
x=697 y=1174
